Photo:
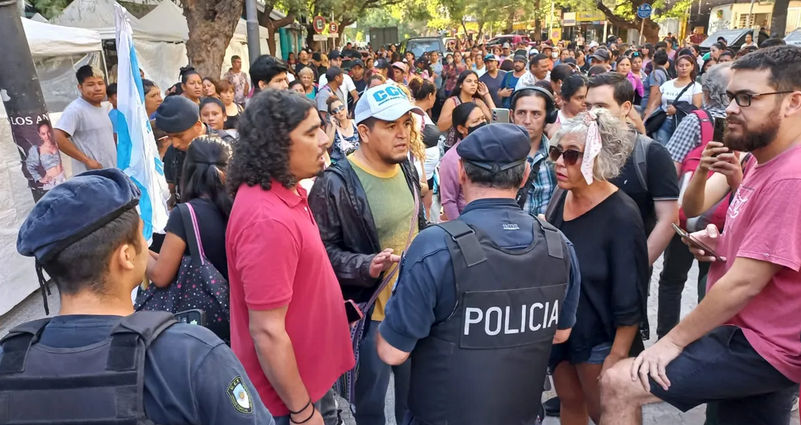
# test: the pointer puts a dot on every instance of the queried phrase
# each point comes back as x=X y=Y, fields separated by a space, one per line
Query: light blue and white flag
x=137 y=153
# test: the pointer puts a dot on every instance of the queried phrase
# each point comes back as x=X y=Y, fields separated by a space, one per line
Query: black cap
x=521 y=58
x=601 y=55
x=177 y=114
x=382 y=64
x=334 y=55
x=332 y=73
x=495 y=147
x=74 y=209
x=356 y=62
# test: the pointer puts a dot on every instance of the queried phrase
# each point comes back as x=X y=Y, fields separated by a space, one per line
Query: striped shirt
x=539 y=193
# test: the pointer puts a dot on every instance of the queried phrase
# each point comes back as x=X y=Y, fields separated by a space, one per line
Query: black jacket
x=347 y=227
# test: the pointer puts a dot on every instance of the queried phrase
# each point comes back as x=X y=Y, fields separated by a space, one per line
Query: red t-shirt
x=276 y=259
x=764 y=223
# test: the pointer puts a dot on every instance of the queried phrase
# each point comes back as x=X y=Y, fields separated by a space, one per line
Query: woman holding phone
x=342 y=131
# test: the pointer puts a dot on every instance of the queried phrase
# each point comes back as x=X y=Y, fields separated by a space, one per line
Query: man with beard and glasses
x=740 y=346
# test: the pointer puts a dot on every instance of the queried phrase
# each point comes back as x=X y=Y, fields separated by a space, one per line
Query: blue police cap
x=73 y=210
x=495 y=147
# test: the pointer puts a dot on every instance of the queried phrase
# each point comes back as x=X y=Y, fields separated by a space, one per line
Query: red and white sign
x=319 y=24
x=333 y=28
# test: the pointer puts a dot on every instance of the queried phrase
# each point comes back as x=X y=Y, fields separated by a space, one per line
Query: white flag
x=137 y=153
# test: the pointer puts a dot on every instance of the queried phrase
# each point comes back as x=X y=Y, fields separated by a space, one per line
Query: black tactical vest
x=485 y=365
x=102 y=383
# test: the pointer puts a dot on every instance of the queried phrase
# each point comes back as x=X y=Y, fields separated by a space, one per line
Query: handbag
x=658 y=117
x=198 y=285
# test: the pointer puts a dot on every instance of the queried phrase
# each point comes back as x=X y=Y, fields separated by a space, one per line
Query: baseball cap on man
x=490 y=57
x=601 y=55
x=176 y=114
x=400 y=65
x=385 y=102
x=521 y=58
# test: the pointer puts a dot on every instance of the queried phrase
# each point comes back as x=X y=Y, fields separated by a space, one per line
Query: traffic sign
x=333 y=28
x=319 y=24
x=644 y=11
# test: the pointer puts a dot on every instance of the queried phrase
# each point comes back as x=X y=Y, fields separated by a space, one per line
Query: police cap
x=73 y=210
x=495 y=147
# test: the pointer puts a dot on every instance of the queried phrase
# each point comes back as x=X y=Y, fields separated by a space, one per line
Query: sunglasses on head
x=571 y=156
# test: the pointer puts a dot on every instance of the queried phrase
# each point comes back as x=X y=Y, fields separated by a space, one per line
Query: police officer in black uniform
x=479 y=300
x=98 y=361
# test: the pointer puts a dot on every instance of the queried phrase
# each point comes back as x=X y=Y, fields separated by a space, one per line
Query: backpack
x=717 y=213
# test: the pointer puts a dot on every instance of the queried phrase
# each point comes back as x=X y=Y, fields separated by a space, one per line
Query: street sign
x=333 y=28
x=644 y=11
x=319 y=24
x=319 y=37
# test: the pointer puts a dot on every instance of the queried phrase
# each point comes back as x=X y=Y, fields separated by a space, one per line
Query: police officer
x=480 y=300
x=98 y=361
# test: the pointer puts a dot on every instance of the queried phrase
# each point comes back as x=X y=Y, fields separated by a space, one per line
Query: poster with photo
x=38 y=150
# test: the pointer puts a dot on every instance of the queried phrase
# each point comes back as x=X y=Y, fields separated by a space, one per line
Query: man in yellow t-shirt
x=367 y=209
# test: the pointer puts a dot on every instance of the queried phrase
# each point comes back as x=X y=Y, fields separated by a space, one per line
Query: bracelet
x=301 y=409
x=305 y=420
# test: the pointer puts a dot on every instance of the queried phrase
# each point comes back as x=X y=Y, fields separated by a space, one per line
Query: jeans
x=666 y=130
x=373 y=380
x=327 y=406
x=678 y=261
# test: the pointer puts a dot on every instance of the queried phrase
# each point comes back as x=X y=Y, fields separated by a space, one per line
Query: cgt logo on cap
x=385 y=95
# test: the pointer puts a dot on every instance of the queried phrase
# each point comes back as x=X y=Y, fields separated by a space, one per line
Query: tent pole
x=19 y=88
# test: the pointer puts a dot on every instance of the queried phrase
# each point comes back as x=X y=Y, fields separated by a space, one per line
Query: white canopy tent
x=57 y=51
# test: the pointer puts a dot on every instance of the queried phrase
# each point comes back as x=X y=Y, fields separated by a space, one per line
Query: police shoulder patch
x=239 y=395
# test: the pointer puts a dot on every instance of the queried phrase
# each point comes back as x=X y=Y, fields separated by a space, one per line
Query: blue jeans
x=666 y=130
x=373 y=380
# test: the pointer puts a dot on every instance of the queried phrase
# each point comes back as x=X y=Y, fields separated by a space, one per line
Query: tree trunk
x=537 y=21
x=778 y=24
x=211 y=26
x=310 y=34
x=650 y=29
x=273 y=26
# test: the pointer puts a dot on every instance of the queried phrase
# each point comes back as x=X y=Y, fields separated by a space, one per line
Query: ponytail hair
x=204 y=172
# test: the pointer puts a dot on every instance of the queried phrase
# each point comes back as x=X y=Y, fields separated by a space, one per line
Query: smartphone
x=500 y=115
x=696 y=243
x=720 y=129
x=192 y=317
x=353 y=312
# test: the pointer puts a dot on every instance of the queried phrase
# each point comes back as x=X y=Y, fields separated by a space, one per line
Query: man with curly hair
x=286 y=306
x=365 y=206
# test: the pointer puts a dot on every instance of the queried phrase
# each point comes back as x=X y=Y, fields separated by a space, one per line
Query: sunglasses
x=571 y=156
x=338 y=109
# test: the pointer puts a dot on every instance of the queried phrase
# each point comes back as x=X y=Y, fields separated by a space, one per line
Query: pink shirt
x=450 y=190
x=764 y=223
x=276 y=259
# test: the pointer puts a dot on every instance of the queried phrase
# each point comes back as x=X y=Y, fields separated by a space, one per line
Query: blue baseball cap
x=386 y=102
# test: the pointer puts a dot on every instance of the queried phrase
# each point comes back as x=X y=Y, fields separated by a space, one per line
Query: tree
x=211 y=26
x=778 y=23
x=273 y=25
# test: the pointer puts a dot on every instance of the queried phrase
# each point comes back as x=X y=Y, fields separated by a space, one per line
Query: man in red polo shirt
x=288 y=323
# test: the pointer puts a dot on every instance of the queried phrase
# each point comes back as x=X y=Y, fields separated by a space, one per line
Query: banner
x=137 y=154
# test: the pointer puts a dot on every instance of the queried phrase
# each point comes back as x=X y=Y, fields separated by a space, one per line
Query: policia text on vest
x=494 y=319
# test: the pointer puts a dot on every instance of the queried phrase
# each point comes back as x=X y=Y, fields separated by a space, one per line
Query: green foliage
x=49 y=8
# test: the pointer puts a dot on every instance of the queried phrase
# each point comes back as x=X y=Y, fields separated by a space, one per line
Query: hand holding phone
x=700 y=250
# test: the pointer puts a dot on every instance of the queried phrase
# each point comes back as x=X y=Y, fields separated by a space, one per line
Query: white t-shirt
x=91 y=132
x=670 y=92
x=344 y=91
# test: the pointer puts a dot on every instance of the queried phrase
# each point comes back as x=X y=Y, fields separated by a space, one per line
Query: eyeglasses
x=743 y=98
x=338 y=109
x=571 y=156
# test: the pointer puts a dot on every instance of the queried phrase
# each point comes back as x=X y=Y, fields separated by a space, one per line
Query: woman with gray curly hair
x=605 y=226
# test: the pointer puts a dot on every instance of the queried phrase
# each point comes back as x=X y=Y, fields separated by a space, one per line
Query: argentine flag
x=137 y=153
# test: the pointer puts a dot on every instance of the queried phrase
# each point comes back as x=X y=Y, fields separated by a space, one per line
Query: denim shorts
x=724 y=368
x=561 y=352
x=599 y=353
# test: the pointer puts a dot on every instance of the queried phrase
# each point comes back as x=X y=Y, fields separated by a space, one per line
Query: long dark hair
x=457 y=89
x=206 y=160
x=460 y=115
x=262 y=152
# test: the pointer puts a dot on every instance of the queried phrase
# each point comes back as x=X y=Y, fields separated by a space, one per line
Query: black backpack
x=98 y=383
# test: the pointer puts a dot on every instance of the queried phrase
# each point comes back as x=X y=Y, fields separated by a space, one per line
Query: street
x=657 y=414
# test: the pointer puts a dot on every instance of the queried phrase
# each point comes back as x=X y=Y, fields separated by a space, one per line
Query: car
x=512 y=39
x=420 y=45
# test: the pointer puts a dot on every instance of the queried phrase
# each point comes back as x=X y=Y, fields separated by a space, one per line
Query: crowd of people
x=465 y=222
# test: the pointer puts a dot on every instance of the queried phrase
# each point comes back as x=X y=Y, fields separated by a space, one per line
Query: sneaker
x=552 y=407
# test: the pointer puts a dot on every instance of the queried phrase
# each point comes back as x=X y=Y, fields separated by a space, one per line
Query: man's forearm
x=277 y=360
x=624 y=337
x=69 y=148
x=659 y=239
x=721 y=303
